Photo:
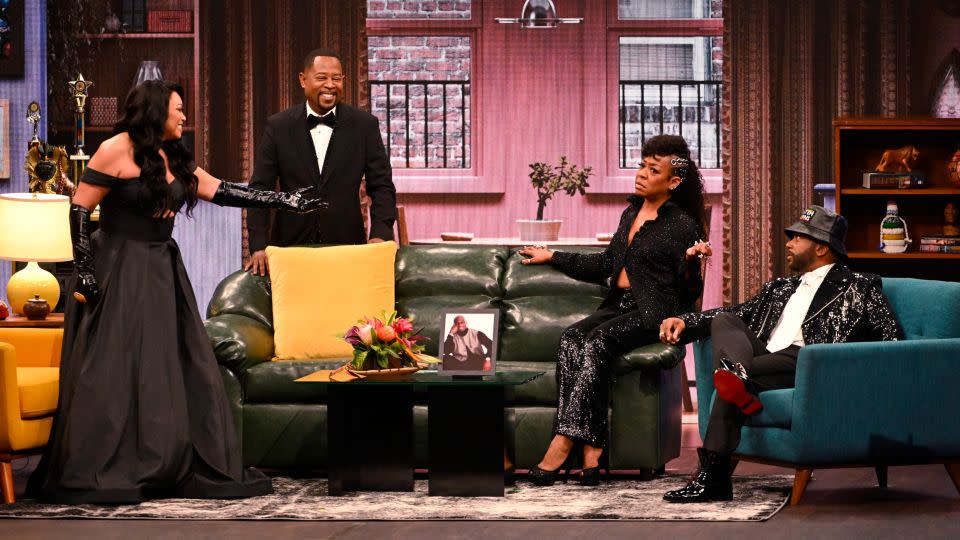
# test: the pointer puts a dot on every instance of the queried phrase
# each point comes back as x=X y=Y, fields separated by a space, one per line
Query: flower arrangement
x=386 y=343
x=549 y=179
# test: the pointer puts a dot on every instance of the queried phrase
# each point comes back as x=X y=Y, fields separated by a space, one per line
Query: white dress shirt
x=320 y=134
x=788 y=330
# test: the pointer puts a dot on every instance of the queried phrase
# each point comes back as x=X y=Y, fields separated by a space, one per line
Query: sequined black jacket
x=661 y=280
x=847 y=307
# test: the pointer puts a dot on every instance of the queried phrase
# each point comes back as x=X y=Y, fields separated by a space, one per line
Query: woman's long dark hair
x=143 y=118
x=689 y=194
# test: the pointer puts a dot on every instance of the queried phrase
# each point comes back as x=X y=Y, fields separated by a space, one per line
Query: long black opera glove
x=301 y=201
x=87 y=289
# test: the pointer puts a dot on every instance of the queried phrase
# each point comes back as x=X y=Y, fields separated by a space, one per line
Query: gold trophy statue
x=79 y=87
x=46 y=165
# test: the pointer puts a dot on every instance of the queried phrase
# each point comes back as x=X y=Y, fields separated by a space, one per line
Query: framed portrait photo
x=468 y=341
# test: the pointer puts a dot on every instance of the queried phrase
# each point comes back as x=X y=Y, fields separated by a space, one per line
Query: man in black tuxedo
x=756 y=343
x=330 y=145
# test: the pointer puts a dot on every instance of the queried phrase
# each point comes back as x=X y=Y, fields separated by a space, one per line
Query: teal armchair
x=863 y=404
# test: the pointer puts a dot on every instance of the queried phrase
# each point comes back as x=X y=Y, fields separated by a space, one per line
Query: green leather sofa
x=282 y=424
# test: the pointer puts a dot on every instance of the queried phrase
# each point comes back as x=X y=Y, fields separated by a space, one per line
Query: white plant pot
x=532 y=230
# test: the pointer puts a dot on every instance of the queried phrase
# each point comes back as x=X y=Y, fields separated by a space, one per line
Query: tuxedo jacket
x=286 y=159
x=847 y=307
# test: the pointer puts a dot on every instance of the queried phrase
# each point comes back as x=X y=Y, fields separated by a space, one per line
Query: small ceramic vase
x=36 y=309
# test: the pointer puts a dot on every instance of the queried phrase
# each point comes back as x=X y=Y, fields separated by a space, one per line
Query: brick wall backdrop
x=419 y=109
x=418 y=9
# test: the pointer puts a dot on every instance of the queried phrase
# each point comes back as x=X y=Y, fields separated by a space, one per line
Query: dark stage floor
x=920 y=502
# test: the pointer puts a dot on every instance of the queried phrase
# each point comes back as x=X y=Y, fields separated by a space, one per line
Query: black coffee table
x=370 y=432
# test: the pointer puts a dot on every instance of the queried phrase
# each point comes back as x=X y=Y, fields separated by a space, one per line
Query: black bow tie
x=328 y=119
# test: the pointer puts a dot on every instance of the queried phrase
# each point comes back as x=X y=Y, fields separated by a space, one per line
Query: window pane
x=670 y=85
x=418 y=9
x=427 y=79
x=670 y=9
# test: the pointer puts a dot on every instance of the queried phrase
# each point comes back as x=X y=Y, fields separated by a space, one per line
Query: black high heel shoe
x=590 y=477
x=540 y=477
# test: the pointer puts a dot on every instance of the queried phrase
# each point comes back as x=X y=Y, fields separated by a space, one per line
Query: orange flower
x=386 y=334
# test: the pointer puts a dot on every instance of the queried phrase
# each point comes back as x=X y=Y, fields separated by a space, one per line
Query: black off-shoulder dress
x=142 y=411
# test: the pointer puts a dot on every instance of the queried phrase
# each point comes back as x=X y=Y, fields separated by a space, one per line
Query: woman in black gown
x=142 y=411
x=654 y=272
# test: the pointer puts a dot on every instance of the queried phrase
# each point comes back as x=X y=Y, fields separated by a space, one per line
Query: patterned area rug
x=756 y=498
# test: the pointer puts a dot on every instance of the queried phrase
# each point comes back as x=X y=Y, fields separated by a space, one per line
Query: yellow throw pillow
x=319 y=293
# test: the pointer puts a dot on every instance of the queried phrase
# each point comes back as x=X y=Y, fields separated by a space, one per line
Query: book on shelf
x=940 y=240
x=938 y=248
x=899 y=180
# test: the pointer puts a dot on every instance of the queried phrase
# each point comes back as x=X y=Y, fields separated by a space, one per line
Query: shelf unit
x=116 y=67
x=859 y=144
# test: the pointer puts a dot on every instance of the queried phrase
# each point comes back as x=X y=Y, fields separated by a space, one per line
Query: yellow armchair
x=29 y=386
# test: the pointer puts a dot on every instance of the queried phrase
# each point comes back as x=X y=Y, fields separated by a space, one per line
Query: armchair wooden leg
x=881 y=475
x=6 y=482
x=953 y=469
x=800 y=480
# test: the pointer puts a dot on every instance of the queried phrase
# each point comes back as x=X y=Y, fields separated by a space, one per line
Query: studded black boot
x=712 y=482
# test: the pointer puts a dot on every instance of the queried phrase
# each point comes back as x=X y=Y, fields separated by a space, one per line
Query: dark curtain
x=789 y=69
x=251 y=53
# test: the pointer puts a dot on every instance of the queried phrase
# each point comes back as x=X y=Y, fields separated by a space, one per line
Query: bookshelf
x=858 y=146
x=115 y=67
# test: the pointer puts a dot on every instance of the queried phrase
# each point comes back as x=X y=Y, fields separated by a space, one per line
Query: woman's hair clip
x=679 y=162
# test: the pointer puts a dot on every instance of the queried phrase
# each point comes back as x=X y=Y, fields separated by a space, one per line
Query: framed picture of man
x=468 y=341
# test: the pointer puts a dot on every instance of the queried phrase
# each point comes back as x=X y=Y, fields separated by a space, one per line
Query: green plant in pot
x=548 y=180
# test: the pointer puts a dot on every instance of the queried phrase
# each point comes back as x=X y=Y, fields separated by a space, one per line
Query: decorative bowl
x=392 y=373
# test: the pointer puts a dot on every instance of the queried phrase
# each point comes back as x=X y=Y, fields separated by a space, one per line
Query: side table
x=370 y=432
x=53 y=320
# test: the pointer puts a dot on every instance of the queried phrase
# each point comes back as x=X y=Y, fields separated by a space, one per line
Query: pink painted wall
x=537 y=95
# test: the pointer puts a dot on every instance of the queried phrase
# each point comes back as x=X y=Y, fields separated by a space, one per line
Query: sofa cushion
x=432 y=270
x=273 y=382
x=38 y=388
x=309 y=312
x=925 y=308
x=521 y=280
x=540 y=391
x=531 y=326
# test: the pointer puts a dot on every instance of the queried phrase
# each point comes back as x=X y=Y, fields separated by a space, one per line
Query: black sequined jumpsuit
x=662 y=285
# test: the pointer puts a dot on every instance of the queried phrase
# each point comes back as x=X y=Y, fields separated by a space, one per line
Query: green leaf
x=359 y=357
x=383 y=362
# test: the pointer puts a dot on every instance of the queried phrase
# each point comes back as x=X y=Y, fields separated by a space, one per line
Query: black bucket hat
x=821 y=224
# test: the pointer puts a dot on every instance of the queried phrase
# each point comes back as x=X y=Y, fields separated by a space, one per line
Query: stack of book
x=940 y=244
x=898 y=180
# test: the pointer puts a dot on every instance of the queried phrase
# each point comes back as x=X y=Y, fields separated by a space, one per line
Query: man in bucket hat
x=756 y=343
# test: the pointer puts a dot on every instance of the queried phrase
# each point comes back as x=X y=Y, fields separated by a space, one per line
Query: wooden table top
x=53 y=320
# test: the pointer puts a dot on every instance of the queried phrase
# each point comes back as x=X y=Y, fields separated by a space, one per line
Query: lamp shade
x=35 y=227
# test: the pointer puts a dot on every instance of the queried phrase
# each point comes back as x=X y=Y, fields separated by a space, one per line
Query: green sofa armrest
x=656 y=356
x=239 y=342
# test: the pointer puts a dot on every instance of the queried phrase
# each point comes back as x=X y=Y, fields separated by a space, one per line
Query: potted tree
x=548 y=180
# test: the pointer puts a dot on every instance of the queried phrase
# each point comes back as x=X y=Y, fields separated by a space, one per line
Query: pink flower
x=386 y=334
x=364 y=333
x=402 y=326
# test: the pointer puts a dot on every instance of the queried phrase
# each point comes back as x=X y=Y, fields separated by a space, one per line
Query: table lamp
x=34 y=227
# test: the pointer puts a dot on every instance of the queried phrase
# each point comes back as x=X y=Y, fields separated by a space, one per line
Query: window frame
x=439 y=179
x=617 y=179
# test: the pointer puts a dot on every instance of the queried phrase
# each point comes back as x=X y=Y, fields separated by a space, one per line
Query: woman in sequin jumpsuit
x=654 y=271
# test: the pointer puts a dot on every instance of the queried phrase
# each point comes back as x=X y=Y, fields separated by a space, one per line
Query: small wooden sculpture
x=899 y=159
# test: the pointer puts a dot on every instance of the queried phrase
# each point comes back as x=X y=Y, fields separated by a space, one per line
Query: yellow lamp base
x=31 y=281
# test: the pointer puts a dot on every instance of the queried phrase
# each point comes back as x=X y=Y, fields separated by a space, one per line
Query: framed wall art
x=11 y=38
